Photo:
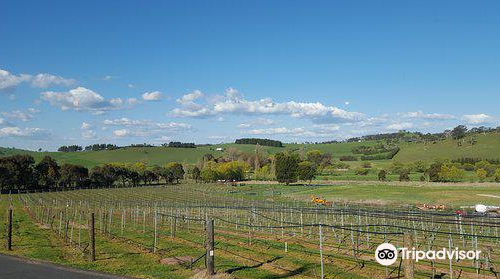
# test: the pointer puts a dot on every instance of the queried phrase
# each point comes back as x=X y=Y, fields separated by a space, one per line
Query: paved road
x=16 y=268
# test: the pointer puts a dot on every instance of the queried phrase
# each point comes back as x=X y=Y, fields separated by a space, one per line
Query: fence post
x=409 y=265
x=210 y=247
x=9 y=230
x=321 y=249
x=156 y=231
x=92 y=236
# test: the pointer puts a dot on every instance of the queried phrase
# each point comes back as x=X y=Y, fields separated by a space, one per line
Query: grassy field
x=125 y=228
x=163 y=155
x=406 y=195
x=487 y=147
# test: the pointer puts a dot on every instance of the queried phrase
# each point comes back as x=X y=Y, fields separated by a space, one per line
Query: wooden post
x=92 y=237
x=321 y=249
x=409 y=265
x=9 y=230
x=156 y=231
x=210 y=247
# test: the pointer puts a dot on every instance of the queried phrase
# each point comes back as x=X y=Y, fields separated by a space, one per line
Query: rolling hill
x=487 y=147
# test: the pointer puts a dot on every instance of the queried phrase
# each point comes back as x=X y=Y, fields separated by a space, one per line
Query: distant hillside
x=161 y=155
x=487 y=147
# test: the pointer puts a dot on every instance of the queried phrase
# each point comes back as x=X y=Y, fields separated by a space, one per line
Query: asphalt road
x=16 y=268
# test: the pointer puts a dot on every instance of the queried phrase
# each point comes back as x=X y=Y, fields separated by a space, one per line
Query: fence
x=326 y=236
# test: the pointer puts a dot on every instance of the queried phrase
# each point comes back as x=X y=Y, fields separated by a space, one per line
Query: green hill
x=163 y=155
x=487 y=147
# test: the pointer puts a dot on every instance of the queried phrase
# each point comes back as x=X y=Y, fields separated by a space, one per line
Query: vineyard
x=258 y=234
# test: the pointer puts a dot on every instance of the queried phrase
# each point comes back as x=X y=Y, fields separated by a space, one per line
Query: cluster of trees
x=263 y=142
x=179 y=144
x=444 y=171
x=289 y=168
x=70 y=148
x=102 y=146
x=370 y=150
x=227 y=171
x=386 y=156
x=21 y=172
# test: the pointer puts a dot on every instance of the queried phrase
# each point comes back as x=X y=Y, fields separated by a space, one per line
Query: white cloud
x=82 y=99
x=429 y=116
x=27 y=133
x=233 y=103
x=327 y=127
x=126 y=122
x=189 y=98
x=10 y=81
x=276 y=131
x=257 y=122
x=171 y=126
x=400 y=126
x=107 y=78
x=318 y=131
x=189 y=108
x=121 y=132
x=45 y=80
x=475 y=119
x=89 y=134
x=19 y=115
x=86 y=126
x=152 y=96
x=145 y=128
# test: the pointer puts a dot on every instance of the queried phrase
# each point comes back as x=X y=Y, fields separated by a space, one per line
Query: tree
x=19 y=172
x=382 y=175
x=318 y=158
x=264 y=173
x=404 y=177
x=497 y=175
x=177 y=170
x=306 y=171
x=459 y=132
x=196 y=174
x=286 y=167
x=481 y=174
x=103 y=176
x=487 y=166
x=434 y=170
x=73 y=175
x=420 y=166
x=208 y=175
x=48 y=172
x=361 y=171
x=450 y=173
x=233 y=171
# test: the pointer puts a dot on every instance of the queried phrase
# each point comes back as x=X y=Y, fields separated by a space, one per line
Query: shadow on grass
x=231 y=270
x=290 y=273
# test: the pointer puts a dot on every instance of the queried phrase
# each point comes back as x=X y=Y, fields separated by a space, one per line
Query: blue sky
x=212 y=71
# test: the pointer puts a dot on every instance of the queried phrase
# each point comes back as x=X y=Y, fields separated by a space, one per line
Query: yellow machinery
x=319 y=201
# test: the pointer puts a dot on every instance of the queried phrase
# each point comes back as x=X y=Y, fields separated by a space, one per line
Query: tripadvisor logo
x=386 y=254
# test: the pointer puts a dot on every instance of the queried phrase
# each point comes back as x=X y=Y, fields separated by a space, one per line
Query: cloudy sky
x=212 y=71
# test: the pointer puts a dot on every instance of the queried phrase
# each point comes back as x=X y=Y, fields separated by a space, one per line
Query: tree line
x=263 y=142
x=20 y=172
x=179 y=144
